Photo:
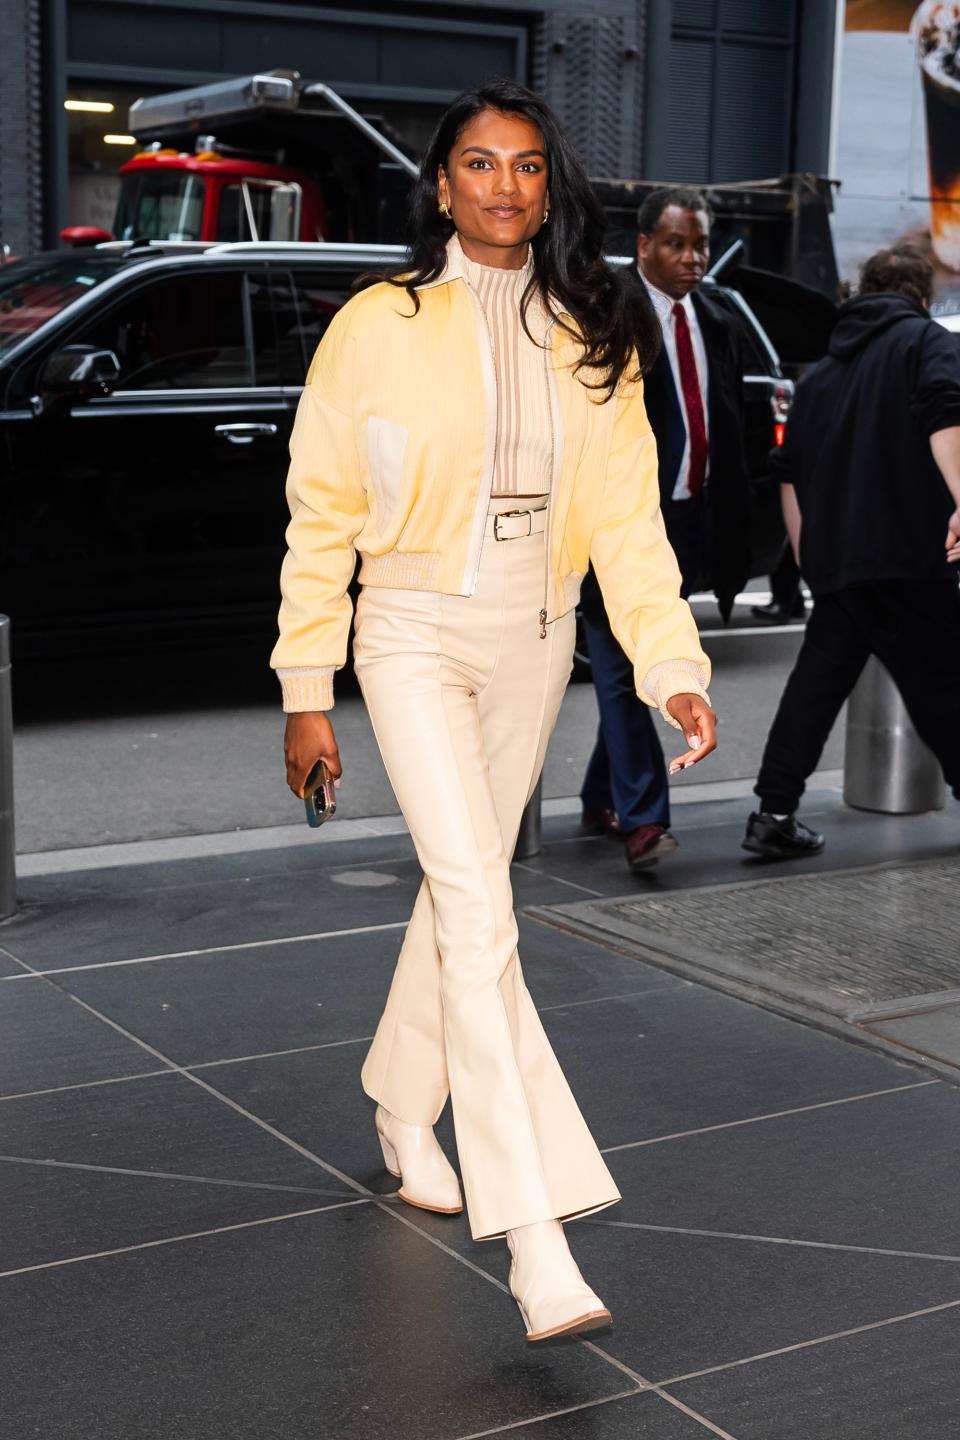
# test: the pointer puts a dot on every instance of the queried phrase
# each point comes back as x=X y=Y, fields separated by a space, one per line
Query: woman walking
x=475 y=428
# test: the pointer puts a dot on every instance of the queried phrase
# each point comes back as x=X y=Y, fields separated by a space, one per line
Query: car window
x=233 y=219
x=178 y=332
x=319 y=296
x=33 y=291
x=291 y=360
x=263 y=325
x=161 y=205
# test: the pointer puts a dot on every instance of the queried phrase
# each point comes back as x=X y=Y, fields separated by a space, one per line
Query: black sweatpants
x=913 y=628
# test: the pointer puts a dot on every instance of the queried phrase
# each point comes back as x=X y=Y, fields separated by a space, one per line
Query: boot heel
x=391 y=1164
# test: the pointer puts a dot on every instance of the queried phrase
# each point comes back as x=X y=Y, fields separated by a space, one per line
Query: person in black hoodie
x=871 y=488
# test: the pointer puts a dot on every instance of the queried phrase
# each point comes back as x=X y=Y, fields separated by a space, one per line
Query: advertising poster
x=897 y=139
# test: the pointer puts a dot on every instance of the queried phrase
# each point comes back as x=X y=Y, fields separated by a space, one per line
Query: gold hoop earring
x=444 y=210
x=546 y=217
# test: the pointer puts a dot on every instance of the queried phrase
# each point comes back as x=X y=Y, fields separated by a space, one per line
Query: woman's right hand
x=308 y=738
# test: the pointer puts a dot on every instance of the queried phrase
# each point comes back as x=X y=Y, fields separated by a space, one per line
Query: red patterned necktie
x=692 y=403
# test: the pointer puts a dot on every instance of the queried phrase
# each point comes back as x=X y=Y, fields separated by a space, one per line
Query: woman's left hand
x=699 y=723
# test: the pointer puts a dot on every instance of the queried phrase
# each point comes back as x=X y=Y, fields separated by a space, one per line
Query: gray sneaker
x=786 y=839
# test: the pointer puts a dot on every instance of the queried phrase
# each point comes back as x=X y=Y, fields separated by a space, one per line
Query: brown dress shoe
x=601 y=822
x=646 y=844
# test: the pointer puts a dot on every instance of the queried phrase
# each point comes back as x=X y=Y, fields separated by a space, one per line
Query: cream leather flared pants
x=463 y=695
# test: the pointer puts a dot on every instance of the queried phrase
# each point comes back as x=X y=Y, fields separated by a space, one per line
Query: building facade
x=692 y=90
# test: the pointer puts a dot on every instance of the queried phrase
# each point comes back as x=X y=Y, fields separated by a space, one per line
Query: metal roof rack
x=334 y=249
x=144 y=246
x=278 y=102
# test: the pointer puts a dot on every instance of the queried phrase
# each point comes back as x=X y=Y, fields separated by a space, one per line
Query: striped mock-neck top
x=524 y=452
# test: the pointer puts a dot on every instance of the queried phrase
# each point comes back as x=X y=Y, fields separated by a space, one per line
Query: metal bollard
x=528 y=840
x=8 y=879
x=887 y=767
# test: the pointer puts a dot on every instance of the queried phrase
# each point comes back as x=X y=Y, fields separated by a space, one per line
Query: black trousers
x=689 y=529
x=913 y=628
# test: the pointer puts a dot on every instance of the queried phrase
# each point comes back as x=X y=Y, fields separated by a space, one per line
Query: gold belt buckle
x=511 y=515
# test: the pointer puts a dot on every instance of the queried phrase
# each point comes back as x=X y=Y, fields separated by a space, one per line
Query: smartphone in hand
x=319 y=796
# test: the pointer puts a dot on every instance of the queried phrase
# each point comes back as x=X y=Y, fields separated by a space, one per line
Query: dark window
x=161 y=205
x=319 y=297
x=291 y=360
x=264 y=330
x=33 y=291
x=233 y=221
x=181 y=332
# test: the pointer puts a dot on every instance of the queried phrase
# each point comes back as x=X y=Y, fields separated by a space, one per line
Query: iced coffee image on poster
x=936 y=28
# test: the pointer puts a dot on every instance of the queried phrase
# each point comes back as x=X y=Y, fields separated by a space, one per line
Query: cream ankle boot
x=553 y=1296
x=413 y=1154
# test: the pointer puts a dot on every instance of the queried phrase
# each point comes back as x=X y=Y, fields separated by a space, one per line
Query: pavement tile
x=881 y=1172
x=8 y=966
x=249 y=1002
x=340 y=1325
x=61 y=926
x=83 y=929
x=163 y=1123
x=52 y=1213
x=690 y=1057
x=683 y=1303
x=47 y=1040
x=643 y=1416
x=899 y=1383
x=639 y=1068
x=316 y=1099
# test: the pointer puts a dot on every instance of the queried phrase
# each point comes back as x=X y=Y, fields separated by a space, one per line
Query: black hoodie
x=873 y=502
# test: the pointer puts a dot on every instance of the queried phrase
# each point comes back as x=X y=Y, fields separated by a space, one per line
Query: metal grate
x=862 y=938
x=21 y=139
x=591 y=69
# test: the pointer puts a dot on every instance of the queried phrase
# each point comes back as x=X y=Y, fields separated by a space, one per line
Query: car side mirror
x=75 y=373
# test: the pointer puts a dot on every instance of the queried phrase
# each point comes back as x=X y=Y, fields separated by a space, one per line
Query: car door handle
x=245 y=433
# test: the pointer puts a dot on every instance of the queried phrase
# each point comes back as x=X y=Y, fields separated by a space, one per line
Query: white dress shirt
x=663 y=304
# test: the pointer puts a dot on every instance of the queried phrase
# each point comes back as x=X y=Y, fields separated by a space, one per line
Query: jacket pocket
x=386 y=450
x=571 y=588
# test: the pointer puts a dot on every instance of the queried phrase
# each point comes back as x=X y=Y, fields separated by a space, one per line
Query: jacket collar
x=454 y=270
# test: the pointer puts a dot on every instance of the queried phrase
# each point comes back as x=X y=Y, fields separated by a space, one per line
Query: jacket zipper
x=554 y=478
x=496 y=427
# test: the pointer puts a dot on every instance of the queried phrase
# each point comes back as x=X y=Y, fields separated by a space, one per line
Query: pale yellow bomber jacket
x=392 y=457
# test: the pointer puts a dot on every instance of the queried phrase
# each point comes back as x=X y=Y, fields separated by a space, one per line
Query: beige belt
x=516 y=524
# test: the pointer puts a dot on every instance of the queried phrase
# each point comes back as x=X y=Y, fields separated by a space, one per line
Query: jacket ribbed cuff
x=307 y=688
x=673 y=677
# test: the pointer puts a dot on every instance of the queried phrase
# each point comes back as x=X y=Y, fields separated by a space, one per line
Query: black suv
x=147 y=394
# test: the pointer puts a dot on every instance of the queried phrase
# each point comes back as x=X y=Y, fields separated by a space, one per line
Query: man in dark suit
x=694 y=398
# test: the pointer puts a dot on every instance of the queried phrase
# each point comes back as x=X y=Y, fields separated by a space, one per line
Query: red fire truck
x=267 y=157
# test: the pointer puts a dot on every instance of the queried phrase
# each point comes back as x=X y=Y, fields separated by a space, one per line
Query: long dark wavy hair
x=612 y=315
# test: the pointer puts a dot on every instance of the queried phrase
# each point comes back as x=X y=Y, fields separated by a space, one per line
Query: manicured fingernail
x=693 y=741
x=336 y=783
x=675 y=769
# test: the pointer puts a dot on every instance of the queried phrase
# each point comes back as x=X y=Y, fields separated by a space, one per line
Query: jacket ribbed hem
x=415 y=570
x=674 y=677
x=307 y=688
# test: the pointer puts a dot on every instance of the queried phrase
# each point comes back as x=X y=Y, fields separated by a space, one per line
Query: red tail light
x=779 y=433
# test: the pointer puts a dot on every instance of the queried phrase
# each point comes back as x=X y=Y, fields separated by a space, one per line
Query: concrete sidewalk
x=199 y=1239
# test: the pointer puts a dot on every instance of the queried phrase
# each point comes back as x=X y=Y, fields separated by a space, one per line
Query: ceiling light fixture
x=94 y=107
